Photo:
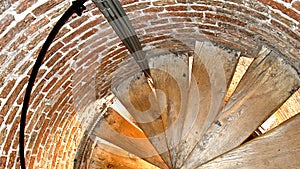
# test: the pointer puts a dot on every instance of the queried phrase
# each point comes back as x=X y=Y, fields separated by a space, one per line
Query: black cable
x=76 y=7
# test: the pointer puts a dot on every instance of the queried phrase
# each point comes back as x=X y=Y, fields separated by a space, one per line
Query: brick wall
x=79 y=66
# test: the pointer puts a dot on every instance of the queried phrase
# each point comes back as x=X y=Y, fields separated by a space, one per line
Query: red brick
x=59 y=11
x=24 y=4
x=89 y=34
x=182 y=14
x=31 y=121
x=63 y=31
x=225 y=18
x=136 y=6
x=285 y=29
x=41 y=74
x=12 y=33
x=3 y=58
x=25 y=22
x=159 y=22
x=3 y=161
x=8 y=88
x=1 y=120
x=46 y=137
x=55 y=47
x=13 y=97
x=201 y=8
x=181 y=20
x=70 y=46
x=56 y=104
x=38 y=88
x=6 y=21
x=93 y=42
x=96 y=12
x=64 y=103
x=80 y=30
x=296 y=5
x=58 y=66
x=58 y=85
x=153 y=9
x=24 y=67
x=38 y=38
x=37 y=101
x=285 y=10
x=12 y=115
x=93 y=55
x=12 y=157
x=53 y=59
x=125 y=2
x=3 y=132
x=8 y=37
x=163 y=3
x=34 y=27
x=282 y=19
x=39 y=155
x=10 y=136
x=45 y=7
x=32 y=160
x=176 y=8
x=40 y=135
x=31 y=140
x=79 y=21
x=289 y=1
x=64 y=69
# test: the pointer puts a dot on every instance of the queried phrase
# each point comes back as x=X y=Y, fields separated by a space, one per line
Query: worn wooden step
x=241 y=68
x=140 y=100
x=212 y=71
x=289 y=109
x=106 y=156
x=117 y=130
x=170 y=75
x=267 y=84
x=278 y=148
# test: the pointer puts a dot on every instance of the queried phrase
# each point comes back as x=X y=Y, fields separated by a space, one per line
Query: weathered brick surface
x=6 y=21
x=296 y=5
x=87 y=50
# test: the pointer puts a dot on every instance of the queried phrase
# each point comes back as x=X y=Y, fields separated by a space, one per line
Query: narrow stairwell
x=200 y=110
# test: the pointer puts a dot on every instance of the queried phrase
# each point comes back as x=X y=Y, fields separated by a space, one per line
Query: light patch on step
x=118 y=106
x=289 y=109
x=242 y=66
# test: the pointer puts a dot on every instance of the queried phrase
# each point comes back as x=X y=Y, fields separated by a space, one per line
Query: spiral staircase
x=199 y=112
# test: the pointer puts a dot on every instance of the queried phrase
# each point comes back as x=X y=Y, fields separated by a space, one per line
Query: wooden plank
x=170 y=75
x=212 y=72
x=106 y=157
x=242 y=66
x=117 y=130
x=289 y=109
x=264 y=88
x=279 y=148
x=141 y=102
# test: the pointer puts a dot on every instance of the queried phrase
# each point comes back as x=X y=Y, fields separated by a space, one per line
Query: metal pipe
x=117 y=18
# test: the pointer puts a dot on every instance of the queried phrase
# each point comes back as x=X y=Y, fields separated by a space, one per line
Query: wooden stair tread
x=212 y=71
x=171 y=82
x=107 y=157
x=264 y=88
x=139 y=99
x=278 y=148
x=117 y=130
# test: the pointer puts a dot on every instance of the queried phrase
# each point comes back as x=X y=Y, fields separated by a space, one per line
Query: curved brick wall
x=78 y=67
